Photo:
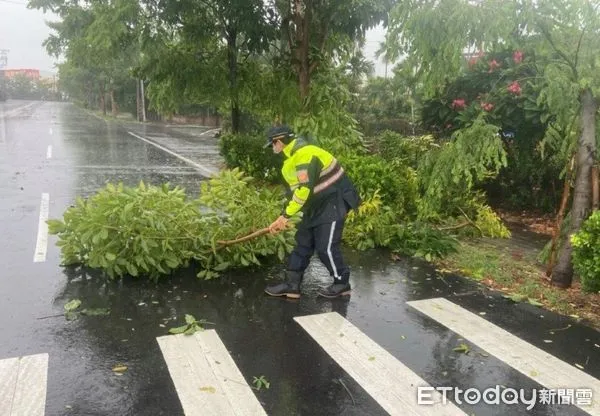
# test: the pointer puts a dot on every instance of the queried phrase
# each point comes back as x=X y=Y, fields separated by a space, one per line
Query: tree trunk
x=559 y=218
x=301 y=46
x=113 y=103
x=103 y=100
x=233 y=75
x=595 y=189
x=582 y=196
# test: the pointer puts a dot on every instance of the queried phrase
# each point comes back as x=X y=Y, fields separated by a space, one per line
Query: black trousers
x=326 y=240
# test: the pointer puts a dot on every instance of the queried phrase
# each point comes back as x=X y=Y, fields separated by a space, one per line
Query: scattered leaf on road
x=535 y=302
x=72 y=305
x=371 y=358
x=120 y=368
x=464 y=348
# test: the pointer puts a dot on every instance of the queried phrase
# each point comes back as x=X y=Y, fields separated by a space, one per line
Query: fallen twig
x=52 y=316
x=350 y=394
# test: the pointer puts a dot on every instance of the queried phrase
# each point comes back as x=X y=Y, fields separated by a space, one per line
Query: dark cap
x=283 y=133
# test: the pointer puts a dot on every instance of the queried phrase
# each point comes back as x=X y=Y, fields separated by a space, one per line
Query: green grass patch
x=518 y=274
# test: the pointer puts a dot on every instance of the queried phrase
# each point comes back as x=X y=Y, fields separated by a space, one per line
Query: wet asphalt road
x=258 y=331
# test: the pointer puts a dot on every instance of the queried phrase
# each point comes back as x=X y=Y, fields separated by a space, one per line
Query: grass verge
x=517 y=274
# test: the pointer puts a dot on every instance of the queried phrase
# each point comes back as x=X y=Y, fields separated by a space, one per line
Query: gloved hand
x=278 y=225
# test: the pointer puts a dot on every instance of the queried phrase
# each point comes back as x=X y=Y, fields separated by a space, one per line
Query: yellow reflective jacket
x=315 y=178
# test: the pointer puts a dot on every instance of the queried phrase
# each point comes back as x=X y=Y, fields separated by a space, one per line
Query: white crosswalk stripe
x=206 y=378
x=535 y=363
x=387 y=380
x=23 y=385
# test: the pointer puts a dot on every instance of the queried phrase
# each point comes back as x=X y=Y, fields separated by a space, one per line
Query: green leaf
x=179 y=329
x=221 y=266
x=110 y=256
x=72 y=305
x=535 y=302
x=189 y=319
x=131 y=269
x=464 y=348
x=55 y=227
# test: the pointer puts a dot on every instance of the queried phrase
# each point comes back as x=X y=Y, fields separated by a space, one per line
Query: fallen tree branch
x=251 y=236
x=472 y=223
x=454 y=227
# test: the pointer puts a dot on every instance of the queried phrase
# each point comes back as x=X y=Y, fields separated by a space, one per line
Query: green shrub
x=246 y=152
x=406 y=150
x=586 y=253
x=152 y=231
x=372 y=225
x=397 y=185
x=422 y=240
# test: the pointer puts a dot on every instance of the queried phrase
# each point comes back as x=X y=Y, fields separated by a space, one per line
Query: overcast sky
x=23 y=30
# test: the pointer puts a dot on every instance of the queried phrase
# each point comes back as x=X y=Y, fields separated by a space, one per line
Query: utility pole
x=3 y=64
x=143 y=101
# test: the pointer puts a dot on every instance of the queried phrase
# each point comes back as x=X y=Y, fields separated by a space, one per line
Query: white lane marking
x=15 y=110
x=386 y=379
x=529 y=360
x=49 y=152
x=23 y=383
x=206 y=378
x=42 y=237
x=208 y=131
x=204 y=170
x=50 y=131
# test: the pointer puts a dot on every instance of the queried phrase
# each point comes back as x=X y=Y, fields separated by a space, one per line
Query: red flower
x=487 y=106
x=514 y=88
x=459 y=104
x=493 y=65
x=517 y=57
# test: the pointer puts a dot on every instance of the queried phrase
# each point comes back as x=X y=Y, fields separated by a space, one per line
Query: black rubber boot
x=290 y=288
x=339 y=287
x=335 y=290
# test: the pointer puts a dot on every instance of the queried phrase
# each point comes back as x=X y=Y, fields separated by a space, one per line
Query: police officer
x=324 y=193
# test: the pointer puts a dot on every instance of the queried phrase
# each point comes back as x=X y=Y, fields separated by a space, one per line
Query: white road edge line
x=206 y=378
x=41 y=246
x=49 y=152
x=392 y=384
x=15 y=110
x=204 y=170
x=529 y=360
x=23 y=384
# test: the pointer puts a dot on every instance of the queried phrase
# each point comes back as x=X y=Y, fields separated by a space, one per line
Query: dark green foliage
x=586 y=253
x=246 y=152
x=422 y=240
x=408 y=151
x=396 y=183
